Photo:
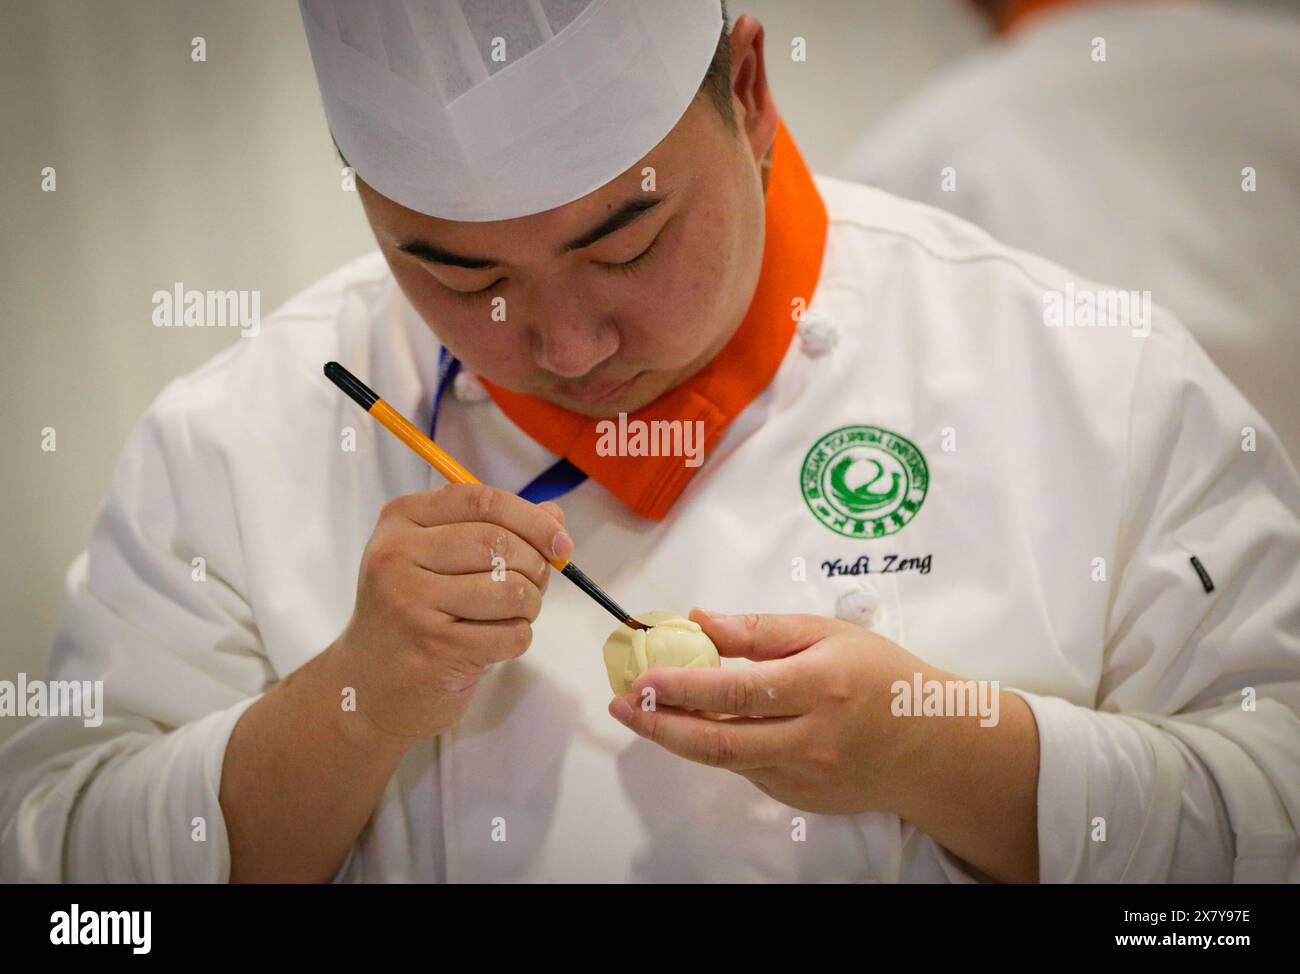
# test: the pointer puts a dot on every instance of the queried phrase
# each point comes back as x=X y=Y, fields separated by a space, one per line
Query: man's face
x=609 y=301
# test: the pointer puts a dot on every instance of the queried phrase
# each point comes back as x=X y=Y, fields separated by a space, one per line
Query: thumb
x=759 y=636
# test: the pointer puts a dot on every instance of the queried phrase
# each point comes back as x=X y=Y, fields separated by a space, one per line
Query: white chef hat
x=494 y=109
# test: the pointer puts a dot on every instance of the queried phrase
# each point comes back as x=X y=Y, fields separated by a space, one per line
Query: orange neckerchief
x=794 y=239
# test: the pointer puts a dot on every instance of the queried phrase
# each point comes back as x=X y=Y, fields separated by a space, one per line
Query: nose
x=573 y=345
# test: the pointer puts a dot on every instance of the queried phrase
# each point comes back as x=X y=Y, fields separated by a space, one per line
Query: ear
x=755 y=109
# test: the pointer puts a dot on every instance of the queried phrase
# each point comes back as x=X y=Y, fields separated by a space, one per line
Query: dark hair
x=717 y=80
x=716 y=84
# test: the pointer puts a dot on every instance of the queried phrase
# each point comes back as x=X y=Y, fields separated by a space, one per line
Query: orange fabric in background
x=794 y=240
x=1020 y=12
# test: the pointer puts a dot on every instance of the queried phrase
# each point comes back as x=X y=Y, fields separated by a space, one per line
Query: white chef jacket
x=1070 y=445
x=1131 y=170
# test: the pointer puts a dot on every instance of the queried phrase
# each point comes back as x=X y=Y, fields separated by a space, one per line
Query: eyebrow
x=624 y=215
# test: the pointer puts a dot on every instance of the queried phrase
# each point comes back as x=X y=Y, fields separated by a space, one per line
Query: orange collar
x=794 y=240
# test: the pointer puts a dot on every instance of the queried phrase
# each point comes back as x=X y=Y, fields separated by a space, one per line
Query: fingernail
x=621 y=711
x=713 y=615
x=562 y=545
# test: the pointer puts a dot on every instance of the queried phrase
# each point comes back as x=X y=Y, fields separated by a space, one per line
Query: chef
x=998 y=598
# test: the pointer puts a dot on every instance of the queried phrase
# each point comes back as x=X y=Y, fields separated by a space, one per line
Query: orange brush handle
x=433 y=454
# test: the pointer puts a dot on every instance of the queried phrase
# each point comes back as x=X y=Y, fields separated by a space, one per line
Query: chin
x=599 y=410
x=611 y=408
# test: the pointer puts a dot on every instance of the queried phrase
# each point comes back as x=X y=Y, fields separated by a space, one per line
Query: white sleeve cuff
x=152 y=812
x=1119 y=800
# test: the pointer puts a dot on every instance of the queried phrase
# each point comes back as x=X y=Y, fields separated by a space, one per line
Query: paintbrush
x=449 y=467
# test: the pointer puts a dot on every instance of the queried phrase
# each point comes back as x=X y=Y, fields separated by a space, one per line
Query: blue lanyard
x=555 y=481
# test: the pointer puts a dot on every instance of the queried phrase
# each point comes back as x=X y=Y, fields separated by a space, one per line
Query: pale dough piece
x=673 y=641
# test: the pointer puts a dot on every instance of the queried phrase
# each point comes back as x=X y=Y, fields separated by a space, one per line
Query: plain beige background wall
x=221 y=175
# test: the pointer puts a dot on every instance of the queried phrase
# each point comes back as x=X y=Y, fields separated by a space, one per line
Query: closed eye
x=631 y=266
x=470 y=295
x=625 y=266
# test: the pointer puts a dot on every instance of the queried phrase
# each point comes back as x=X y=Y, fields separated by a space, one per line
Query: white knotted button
x=817 y=335
x=467 y=388
x=856 y=600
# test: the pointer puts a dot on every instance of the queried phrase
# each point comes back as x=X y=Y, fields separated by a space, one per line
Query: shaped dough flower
x=673 y=641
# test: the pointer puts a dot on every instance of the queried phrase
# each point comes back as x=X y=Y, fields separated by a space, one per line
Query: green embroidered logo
x=864 y=481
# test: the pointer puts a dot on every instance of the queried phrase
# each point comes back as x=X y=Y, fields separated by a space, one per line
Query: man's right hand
x=450 y=583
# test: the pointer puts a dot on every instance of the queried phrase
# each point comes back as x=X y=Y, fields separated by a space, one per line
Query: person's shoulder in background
x=1003 y=324
x=1107 y=52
